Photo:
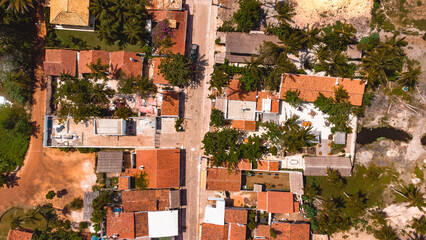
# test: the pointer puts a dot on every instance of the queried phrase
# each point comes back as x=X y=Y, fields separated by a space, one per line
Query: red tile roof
x=158 y=77
x=161 y=165
x=123 y=182
x=311 y=86
x=122 y=223
x=179 y=34
x=214 y=232
x=268 y=165
x=244 y=125
x=58 y=61
x=244 y=165
x=237 y=231
x=120 y=62
x=19 y=235
x=170 y=106
x=234 y=92
x=291 y=231
x=262 y=231
x=141 y=224
x=236 y=216
x=275 y=101
x=91 y=56
x=275 y=202
x=146 y=200
x=220 y=179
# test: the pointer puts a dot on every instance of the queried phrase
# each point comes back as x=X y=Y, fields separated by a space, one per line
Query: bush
x=178 y=124
x=227 y=26
x=50 y=195
x=217 y=118
x=419 y=172
x=76 y=204
x=319 y=68
x=83 y=225
x=142 y=180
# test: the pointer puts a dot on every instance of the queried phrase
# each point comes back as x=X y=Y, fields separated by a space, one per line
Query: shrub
x=51 y=194
x=76 y=204
x=419 y=172
x=83 y=225
x=292 y=98
x=217 y=118
x=142 y=180
x=178 y=124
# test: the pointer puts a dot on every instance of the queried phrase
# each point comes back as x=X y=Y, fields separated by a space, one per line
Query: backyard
x=14 y=213
x=271 y=180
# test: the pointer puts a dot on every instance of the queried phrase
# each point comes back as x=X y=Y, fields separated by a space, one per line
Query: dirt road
x=46 y=169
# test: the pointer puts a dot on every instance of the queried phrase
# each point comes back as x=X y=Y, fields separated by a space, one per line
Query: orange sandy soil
x=47 y=169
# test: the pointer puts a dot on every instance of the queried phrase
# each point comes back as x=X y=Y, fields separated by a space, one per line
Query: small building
x=120 y=225
x=244 y=125
x=241 y=105
x=291 y=231
x=219 y=179
x=163 y=224
x=71 y=15
x=268 y=165
x=340 y=138
x=60 y=61
x=110 y=162
x=150 y=200
x=161 y=165
x=127 y=63
x=277 y=202
x=19 y=235
x=262 y=232
x=171 y=104
x=124 y=183
x=87 y=204
x=317 y=166
x=91 y=56
x=235 y=215
x=214 y=232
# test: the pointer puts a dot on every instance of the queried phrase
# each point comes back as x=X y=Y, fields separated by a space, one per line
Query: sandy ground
x=47 y=169
x=398 y=215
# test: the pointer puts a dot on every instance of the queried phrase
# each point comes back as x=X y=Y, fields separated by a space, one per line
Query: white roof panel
x=163 y=223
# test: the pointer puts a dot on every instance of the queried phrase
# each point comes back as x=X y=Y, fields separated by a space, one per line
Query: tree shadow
x=200 y=68
x=11 y=179
x=62 y=193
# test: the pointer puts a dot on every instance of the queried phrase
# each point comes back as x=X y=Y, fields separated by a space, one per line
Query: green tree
x=223 y=146
x=83 y=225
x=253 y=150
x=99 y=212
x=50 y=195
x=310 y=37
x=285 y=12
x=419 y=225
x=413 y=195
x=81 y=99
x=356 y=205
x=380 y=65
x=385 y=233
x=176 y=69
x=217 y=118
x=124 y=113
x=142 y=86
x=18 y=86
x=219 y=80
x=142 y=180
x=252 y=76
x=98 y=70
x=292 y=98
x=16 y=222
x=248 y=15
x=410 y=77
x=20 y=6
x=335 y=178
x=76 y=204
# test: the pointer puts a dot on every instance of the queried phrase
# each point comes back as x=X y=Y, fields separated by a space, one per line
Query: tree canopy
x=217 y=118
x=248 y=15
x=137 y=85
x=177 y=69
x=81 y=98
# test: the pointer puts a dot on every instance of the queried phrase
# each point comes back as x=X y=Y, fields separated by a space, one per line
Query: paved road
x=197 y=110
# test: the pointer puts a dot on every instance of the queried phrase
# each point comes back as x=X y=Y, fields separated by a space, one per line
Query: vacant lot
x=271 y=180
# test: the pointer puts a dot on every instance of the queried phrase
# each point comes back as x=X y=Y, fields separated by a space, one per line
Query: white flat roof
x=241 y=110
x=163 y=223
x=215 y=215
x=110 y=127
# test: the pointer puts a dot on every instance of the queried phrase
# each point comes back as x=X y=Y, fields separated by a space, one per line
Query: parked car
x=194 y=52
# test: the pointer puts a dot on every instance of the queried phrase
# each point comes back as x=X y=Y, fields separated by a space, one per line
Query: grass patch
x=88 y=40
x=38 y=223
x=419 y=172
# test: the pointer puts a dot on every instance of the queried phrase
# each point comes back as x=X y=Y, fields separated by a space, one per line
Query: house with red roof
x=128 y=63
x=284 y=231
x=219 y=179
x=277 y=202
x=150 y=200
x=60 y=61
x=171 y=104
x=19 y=235
x=91 y=56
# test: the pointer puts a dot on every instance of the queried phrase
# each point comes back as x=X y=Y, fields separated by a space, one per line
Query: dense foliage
x=292 y=98
x=81 y=98
x=161 y=34
x=137 y=85
x=248 y=15
x=99 y=203
x=120 y=21
x=219 y=79
x=217 y=118
x=177 y=69
x=15 y=131
x=76 y=204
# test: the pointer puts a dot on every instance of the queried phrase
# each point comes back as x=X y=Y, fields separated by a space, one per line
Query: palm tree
x=311 y=36
x=413 y=195
x=144 y=86
x=98 y=70
x=18 y=5
x=385 y=233
x=380 y=62
x=322 y=54
x=285 y=12
x=293 y=43
x=102 y=10
x=16 y=222
x=270 y=53
x=134 y=32
x=346 y=31
x=410 y=77
x=219 y=79
x=107 y=33
x=419 y=225
x=252 y=78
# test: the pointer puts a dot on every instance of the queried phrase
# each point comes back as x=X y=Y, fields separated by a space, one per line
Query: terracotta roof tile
x=236 y=216
x=220 y=179
x=262 y=231
x=146 y=200
x=58 y=61
x=214 y=232
x=69 y=12
x=274 y=165
x=234 y=92
x=179 y=34
x=19 y=235
x=120 y=62
x=158 y=77
x=262 y=201
x=124 y=183
x=291 y=231
x=122 y=224
x=244 y=165
x=311 y=86
x=296 y=206
x=161 y=165
x=268 y=165
x=275 y=202
x=237 y=231
x=275 y=102
x=141 y=224
x=170 y=106
x=244 y=125
x=91 y=56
